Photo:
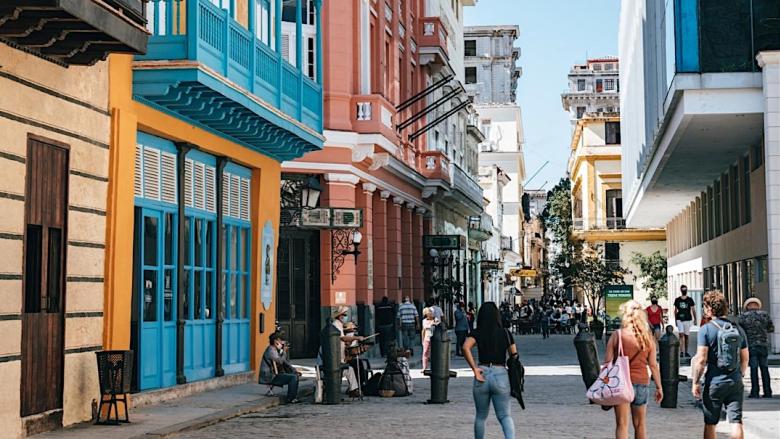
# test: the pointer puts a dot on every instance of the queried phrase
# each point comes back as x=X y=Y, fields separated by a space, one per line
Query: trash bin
x=587 y=355
x=115 y=374
x=669 y=350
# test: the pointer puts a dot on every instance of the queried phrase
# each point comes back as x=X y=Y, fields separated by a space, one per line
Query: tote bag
x=613 y=386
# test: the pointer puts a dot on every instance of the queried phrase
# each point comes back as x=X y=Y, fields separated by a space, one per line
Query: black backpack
x=372 y=385
x=393 y=378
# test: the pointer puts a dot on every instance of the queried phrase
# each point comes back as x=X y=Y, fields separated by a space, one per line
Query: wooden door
x=46 y=204
x=298 y=295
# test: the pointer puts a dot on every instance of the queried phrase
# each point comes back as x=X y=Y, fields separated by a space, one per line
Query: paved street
x=554 y=398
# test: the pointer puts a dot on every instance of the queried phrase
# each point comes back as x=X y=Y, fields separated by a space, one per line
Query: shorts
x=641 y=393
x=655 y=327
x=727 y=393
x=684 y=326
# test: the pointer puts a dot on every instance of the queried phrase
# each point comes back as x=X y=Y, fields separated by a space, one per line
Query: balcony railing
x=435 y=165
x=199 y=30
x=616 y=223
x=373 y=114
x=611 y=223
x=466 y=184
x=432 y=34
x=508 y=243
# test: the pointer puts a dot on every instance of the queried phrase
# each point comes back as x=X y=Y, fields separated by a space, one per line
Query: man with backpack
x=723 y=350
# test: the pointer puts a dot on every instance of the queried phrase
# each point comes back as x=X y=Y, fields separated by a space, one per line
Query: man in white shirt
x=339 y=316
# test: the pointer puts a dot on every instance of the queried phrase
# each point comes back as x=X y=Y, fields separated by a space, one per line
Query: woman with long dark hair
x=491 y=378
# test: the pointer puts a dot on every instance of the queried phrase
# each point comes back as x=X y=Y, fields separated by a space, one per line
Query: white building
x=702 y=143
x=593 y=88
x=491 y=71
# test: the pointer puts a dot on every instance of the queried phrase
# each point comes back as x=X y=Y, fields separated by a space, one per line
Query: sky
x=554 y=35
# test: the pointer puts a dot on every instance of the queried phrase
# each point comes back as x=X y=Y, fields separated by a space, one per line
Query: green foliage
x=557 y=218
x=593 y=273
x=652 y=271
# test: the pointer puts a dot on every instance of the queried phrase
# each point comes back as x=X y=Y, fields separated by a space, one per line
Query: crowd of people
x=549 y=315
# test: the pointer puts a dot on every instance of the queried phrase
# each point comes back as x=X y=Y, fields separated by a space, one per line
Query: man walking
x=461 y=328
x=757 y=324
x=409 y=321
x=385 y=325
x=684 y=314
x=723 y=349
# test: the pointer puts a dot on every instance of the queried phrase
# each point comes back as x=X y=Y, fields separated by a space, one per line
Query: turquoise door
x=199 y=287
x=236 y=252
x=155 y=276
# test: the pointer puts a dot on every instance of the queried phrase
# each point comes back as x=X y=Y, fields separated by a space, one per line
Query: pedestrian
x=545 y=320
x=655 y=316
x=757 y=324
x=471 y=315
x=276 y=369
x=639 y=346
x=491 y=378
x=461 y=328
x=409 y=322
x=723 y=350
x=429 y=321
x=685 y=315
x=385 y=325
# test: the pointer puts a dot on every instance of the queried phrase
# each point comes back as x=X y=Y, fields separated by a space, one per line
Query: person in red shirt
x=655 y=316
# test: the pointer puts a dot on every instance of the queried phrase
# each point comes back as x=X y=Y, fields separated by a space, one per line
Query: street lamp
x=310 y=192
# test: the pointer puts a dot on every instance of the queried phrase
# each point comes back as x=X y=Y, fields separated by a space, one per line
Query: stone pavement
x=556 y=408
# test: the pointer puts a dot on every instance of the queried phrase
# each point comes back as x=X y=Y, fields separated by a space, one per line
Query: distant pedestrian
x=723 y=350
x=639 y=346
x=409 y=322
x=545 y=323
x=655 y=316
x=461 y=328
x=685 y=315
x=757 y=324
x=471 y=315
x=491 y=378
x=429 y=321
x=385 y=325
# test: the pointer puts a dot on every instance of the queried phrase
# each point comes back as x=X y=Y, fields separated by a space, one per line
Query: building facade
x=491 y=75
x=224 y=95
x=702 y=142
x=593 y=88
x=534 y=247
x=56 y=128
x=595 y=173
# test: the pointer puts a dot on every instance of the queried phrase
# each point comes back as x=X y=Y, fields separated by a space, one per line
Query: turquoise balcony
x=203 y=66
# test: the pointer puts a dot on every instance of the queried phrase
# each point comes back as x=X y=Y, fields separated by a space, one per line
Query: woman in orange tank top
x=639 y=346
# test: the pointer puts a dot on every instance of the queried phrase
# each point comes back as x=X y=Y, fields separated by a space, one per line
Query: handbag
x=516 y=373
x=613 y=386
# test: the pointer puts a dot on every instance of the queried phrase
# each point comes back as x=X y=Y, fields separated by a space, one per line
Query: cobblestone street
x=556 y=408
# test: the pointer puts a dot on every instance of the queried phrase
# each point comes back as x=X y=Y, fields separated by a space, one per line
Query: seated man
x=354 y=349
x=339 y=316
x=276 y=369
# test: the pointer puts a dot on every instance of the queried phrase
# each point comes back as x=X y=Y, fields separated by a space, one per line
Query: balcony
x=74 y=32
x=467 y=186
x=373 y=114
x=480 y=227
x=436 y=166
x=508 y=243
x=204 y=66
x=432 y=41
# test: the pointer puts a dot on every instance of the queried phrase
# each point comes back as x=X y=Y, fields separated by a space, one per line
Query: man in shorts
x=722 y=388
x=685 y=315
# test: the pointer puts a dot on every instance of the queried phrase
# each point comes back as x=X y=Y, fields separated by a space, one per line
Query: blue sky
x=554 y=34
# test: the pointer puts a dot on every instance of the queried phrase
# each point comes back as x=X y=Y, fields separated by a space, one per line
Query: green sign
x=444 y=242
x=616 y=295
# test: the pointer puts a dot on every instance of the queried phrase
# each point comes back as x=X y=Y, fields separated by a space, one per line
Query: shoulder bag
x=613 y=386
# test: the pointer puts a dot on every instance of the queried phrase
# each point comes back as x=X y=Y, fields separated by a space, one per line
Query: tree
x=593 y=273
x=564 y=248
x=652 y=271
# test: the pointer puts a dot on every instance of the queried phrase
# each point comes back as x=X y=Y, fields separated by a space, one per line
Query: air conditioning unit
x=347 y=218
x=315 y=218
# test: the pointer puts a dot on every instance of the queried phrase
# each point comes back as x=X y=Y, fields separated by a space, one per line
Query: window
x=288 y=11
x=609 y=84
x=608 y=66
x=597 y=67
x=580 y=85
x=599 y=85
x=614 y=208
x=612 y=254
x=310 y=62
x=471 y=75
x=580 y=112
x=486 y=128
x=470 y=48
x=612 y=133
x=263 y=21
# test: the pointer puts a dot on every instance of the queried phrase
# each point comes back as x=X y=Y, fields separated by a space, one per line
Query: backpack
x=729 y=340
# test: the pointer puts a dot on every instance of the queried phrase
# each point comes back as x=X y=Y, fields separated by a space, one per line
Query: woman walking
x=491 y=379
x=639 y=346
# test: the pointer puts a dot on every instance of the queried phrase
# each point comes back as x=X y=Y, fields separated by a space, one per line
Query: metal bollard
x=330 y=340
x=440 y=372
x=588 y=356
x=669 y=348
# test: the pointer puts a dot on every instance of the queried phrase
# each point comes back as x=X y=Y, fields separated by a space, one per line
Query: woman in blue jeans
x=491 y=379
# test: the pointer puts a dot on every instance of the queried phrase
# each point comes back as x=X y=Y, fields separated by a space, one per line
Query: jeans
x=287 y=379
x=408 y=335
x=496 y=389
x=460 y=336
x=386 y=335
x=759 y=356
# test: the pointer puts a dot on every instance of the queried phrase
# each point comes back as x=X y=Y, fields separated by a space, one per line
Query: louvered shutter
x=226 y=194
x=199 y=190
x=188 y=183
x=211 y=196
x=151 y=173
x=138 y=175
x=235 y=194
x=168 y=177
x=245 y=199
x=286 y=47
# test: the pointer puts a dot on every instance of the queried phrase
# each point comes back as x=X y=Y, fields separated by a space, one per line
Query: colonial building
x=702 y=142
x=399 y=157
x=54 y=176
x=593 y=88
x=226 y=92
x=595 y=172
x=534 y=247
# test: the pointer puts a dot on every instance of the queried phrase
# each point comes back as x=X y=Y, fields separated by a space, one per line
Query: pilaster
x=406 y=249
x=417 y=254
x=394 y=265
x=379 y=227
x=338 y=191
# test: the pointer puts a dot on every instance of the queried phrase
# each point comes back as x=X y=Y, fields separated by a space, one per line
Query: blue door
x=235 y=332
x=155 y=235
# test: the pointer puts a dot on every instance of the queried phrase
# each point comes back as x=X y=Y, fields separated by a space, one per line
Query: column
x=394 y=267
x=380 y=244
x=365 y=280
x=417 y=253
x=770 y=63
x=406 y=249
x=338 y=191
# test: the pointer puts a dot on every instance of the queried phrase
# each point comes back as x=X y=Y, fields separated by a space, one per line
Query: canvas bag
x=613 y=386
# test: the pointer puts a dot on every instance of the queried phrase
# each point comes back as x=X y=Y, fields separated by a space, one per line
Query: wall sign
x=267 y=265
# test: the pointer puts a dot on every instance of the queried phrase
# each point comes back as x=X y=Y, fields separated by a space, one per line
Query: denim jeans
x=290 y=380
x=408 y=335
x=496 y=389
x=460 y=337
x=759 y=356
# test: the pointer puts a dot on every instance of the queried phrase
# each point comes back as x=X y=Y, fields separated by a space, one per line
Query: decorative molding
x=380 y=160
x=362 y=151
x=409 y=205
x=420 y=211
x=384 y=195
x=398 y=200
x=369 y=187
x=342 y=178
x=429 y=192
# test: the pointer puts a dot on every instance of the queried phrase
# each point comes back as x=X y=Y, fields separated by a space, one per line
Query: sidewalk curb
x=258 y=405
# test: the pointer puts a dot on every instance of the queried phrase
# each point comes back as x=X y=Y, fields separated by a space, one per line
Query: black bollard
x=330 y=340
x=669 y=347
x=439 y=372
x=588 y=356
